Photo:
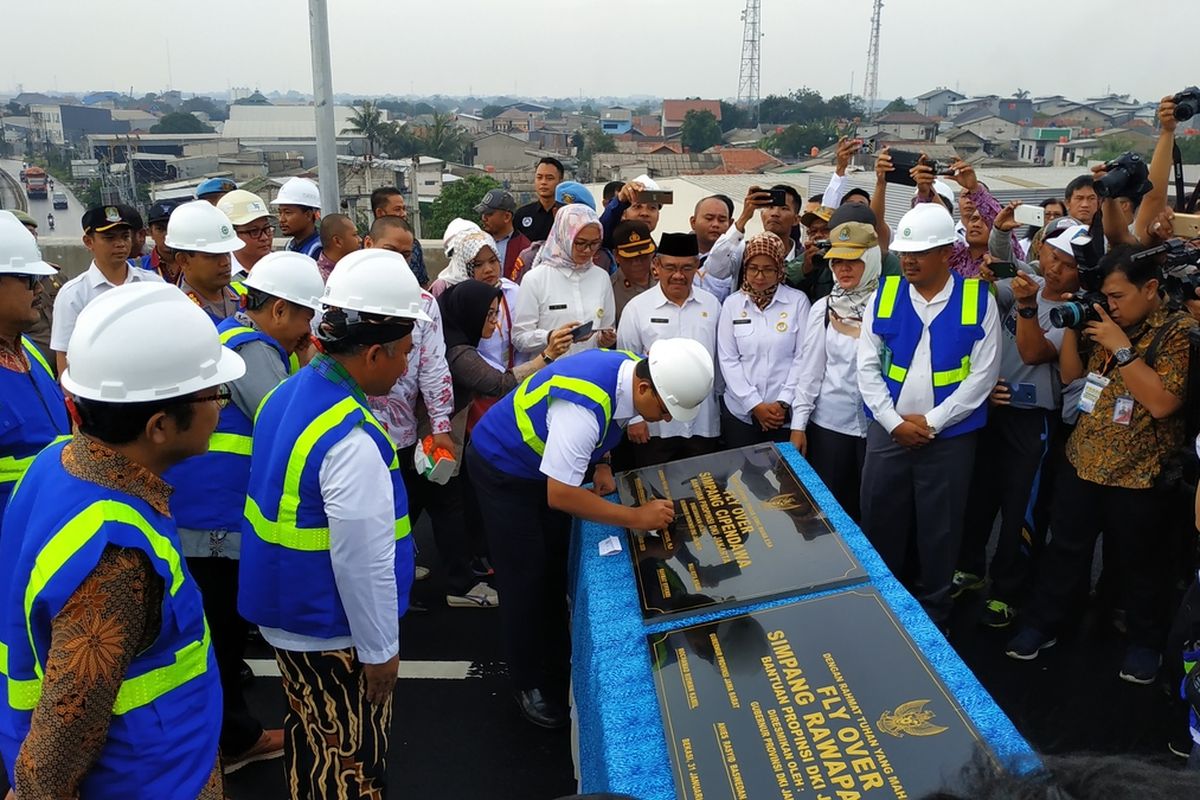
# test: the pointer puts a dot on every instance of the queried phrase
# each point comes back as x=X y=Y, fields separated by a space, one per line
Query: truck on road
x=36 y=183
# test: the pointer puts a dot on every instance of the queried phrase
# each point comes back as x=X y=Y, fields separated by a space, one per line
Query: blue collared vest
x=310 y=247
x=952 y=336
x=162 y=740
x=33 y=414
x=210 y=489
x=512 y=434
x=286 y=578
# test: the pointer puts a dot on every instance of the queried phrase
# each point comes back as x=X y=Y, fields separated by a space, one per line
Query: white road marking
x=410 y=670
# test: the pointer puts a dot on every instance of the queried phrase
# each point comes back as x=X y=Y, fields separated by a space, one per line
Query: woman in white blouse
x=758 y=340
x=828 y=423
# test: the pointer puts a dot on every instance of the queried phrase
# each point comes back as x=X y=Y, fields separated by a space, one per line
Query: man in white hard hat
x=108 y=234
x=299 y=207
x=272 y=324
x=528 y=459
x=327 y=556
x=203 y=239
x=33 y=411
x=254 y=226
x=928 y=357
x=112 y=689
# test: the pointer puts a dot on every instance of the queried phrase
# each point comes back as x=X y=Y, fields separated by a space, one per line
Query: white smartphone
x=1030 y=215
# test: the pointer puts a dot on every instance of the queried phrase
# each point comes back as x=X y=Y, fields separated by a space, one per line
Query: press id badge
x=1123 y=410
x=1092 y=389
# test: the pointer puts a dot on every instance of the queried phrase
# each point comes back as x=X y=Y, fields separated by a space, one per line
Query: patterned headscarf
x=568 y=222
x=849 y=304
x=466 y=246
x=763 y=244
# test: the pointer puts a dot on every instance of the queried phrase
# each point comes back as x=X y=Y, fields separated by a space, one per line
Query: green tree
x=588 y=143
x=897 y=105
x=458 y=199
x=180 y=122
x=700 y=131
x=421 y=109
x=798 y=140
x=735 y=116
x=205 y=105
x=1112 y=149
x=491 y=111
x=443 y=139
x=1189 y=148
x=368 y=121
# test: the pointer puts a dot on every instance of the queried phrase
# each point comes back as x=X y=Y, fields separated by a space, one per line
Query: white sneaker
x=480 y=596
x=420 y=573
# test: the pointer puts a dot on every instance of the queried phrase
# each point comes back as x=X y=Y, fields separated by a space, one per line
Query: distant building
x=675 y=111
x=935 y=103
x=500 y=151
x=905 y=125
x=987 y=125
x=68 y=124
x=990 y=102
x=616 y=120
x=1076 y=153
x=1037 y=144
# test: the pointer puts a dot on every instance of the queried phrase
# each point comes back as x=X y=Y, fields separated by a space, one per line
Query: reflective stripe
x=234 y=443
x=239 y=288
x=228 y=334
x=952 y=376
x=970 y=307
x=72 y=537
x=524 y=400
x=897 y=373
x=285 y=531
x=293 y=364
x=37 y=356
x=887 y=296
x=191 y=661
x=12 y=468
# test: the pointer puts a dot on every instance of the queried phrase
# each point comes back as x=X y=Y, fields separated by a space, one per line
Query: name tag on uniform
x=558 y=307
x=1095 y=385
x=659 y=320
x=742 y=321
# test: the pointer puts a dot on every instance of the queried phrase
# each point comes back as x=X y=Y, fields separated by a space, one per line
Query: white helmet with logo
x=290 y=276
x=200 y=226
x=119 y=351
x=682 y=373
x=19 y=253
x=925 y=227
x=298 y=192
x=375 y=281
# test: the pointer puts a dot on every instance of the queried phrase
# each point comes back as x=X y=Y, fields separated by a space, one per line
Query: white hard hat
x=943 y=189
x=202 y=227
x=647 y=183
x=457 y=225
x=19 y=253
x=243 y=207
x=290 y=276
x=298 y=192
x=682 y=373
x=926 y=226
x=120 y=350
x=375 y=281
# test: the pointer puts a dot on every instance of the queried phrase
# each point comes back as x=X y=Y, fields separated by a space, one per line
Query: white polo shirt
x=651 y=316
x=76 y=293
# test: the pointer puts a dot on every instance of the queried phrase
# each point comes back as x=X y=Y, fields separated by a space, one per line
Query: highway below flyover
x=66 y=221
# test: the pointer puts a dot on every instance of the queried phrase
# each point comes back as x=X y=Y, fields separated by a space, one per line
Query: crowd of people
x=211 y=436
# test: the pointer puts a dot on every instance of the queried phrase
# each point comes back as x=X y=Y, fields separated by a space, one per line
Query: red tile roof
x=676 y=110
x=738 y=161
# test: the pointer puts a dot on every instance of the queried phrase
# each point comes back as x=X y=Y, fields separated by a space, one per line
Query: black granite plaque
x=823 y=698
x=745 y=530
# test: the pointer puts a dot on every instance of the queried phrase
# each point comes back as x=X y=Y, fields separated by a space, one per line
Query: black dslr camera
x=1128 y=176
x=1079 y=310
x=1180 y=265
x=1187 y=103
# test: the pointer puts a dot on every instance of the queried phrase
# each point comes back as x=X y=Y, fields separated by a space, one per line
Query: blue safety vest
x=33 y=414
x=166 y=720
x=310 y=247
x=210 y=489
x=952 y=336
x=512 y=434
x=286 y=578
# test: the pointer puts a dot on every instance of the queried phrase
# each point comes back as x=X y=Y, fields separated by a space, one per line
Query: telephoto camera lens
x=1072 y=314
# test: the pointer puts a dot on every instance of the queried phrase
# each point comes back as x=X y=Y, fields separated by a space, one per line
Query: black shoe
x=540 y=711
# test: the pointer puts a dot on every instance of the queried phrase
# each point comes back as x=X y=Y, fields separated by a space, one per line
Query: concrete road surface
x=66 y=221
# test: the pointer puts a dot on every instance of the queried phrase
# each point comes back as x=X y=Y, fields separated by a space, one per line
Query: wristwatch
x=1028 y=312
x=1125 y=356
x=546 y=358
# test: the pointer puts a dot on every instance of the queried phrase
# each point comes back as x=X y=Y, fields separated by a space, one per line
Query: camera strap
x=1189 y=205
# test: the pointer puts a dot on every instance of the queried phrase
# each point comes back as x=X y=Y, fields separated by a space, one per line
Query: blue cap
x=572 y=192
x=215 y=186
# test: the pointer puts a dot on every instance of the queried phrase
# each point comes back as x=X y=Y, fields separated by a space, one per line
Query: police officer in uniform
x=634 y=250
x=528 y=459
x=327 y=556
x=32 y=411
x=160 y=259
x=112 y=690
x=203 y=239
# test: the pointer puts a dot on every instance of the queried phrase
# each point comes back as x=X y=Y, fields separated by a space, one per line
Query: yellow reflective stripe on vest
x=524 y=400
x=239 y=288
x=970 y=303
x=293 y=363
x=13 y=469
x=285 y=531
x=226 y=335
x=897 y=373
x=37 y=356
x=234 y=443
x=71 y=538
x=191 y=661
x=950 y=377
x=887 y=296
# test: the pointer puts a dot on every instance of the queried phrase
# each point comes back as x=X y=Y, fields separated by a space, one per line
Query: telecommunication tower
x=748 y=78
x=871 y=88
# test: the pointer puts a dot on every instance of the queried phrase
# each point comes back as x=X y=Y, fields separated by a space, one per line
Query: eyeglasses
x=762 y=272
x=257 y=233
x=30 y=281
x=682 y=270
x=581 y=244
x=493 y=314
x=221 y=398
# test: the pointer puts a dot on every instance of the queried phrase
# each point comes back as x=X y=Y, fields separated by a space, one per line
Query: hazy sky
x=673 y=48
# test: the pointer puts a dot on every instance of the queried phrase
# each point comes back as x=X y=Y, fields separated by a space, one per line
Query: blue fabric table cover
x=622 y=742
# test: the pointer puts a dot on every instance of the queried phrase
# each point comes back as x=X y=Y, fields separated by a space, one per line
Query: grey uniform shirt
x=1044 y=377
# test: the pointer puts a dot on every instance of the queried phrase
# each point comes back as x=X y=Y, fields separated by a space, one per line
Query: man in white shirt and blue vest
x=928 y=358
x=529 y=457
x=327 y=555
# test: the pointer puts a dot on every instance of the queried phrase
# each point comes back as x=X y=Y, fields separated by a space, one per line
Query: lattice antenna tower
x=871 y=87
x=748 y=78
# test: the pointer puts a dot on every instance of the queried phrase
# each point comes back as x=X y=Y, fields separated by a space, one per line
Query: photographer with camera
x=1134 y=354
x=1154 y=204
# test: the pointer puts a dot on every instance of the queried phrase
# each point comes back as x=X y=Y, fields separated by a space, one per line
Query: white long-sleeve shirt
x=356 y=488
x=495 y=348
x=651 y=316
x=916 y=396
x=550 y=297
x=827 y=382
x=758 y=350
x=572 y=431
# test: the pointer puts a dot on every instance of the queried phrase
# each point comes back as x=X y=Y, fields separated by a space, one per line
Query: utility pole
x=318 y=24
x=748 y=77
x=871 y=88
